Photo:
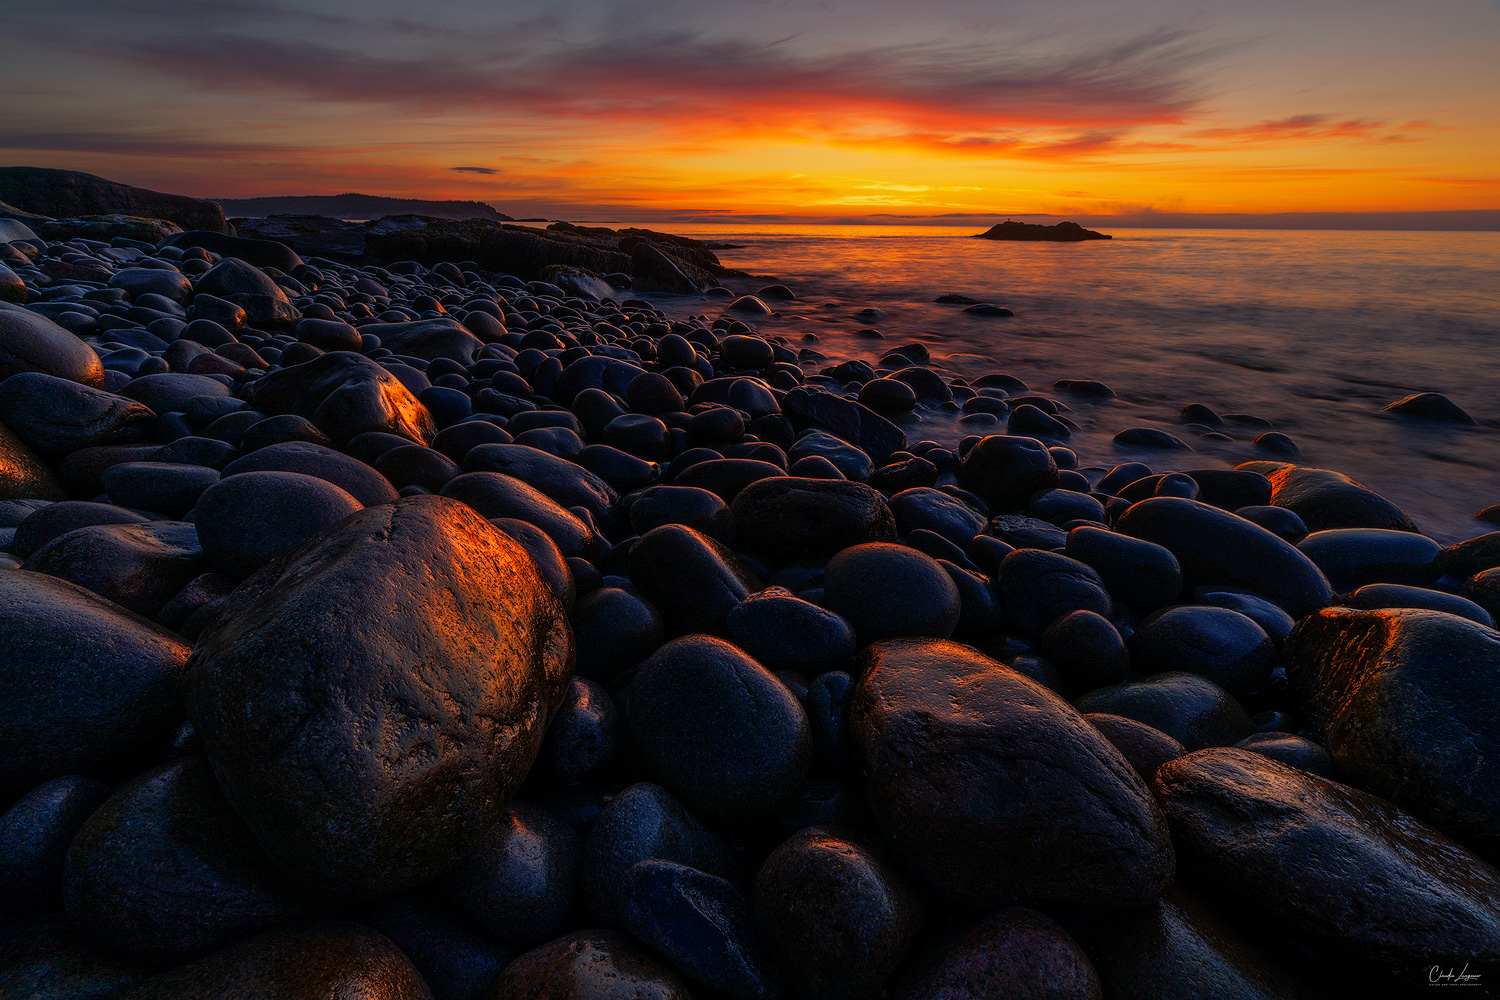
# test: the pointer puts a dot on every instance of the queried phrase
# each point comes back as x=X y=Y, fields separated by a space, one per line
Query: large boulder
x=1326 y=499
x=428 y=339
x=785 y=517
x=23 y=476
x=370 y=701
x=990 y=787
x=853 y=422
x=1336 y=868
x=346 y=394
x=260 y=252
x=1410 y=708
x=90 y=687
x=250 y=288
x=30 y=342
x=72 y=193
x=57 y=415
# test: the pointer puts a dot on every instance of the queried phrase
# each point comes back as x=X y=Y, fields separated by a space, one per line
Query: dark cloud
x=474 y=170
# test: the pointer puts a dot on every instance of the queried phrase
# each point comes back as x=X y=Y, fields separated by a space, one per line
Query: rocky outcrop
x=1063 y=232
x=72 y=193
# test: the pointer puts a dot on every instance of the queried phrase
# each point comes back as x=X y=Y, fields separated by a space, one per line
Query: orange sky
x=587 y=108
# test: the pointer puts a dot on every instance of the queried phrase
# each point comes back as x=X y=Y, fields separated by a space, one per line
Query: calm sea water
x=1312 y=330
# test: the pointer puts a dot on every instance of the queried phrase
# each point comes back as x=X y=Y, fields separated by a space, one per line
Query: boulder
x=990 y=787
x=600 y=965
x=1006 y=471
x=247 y=286
x=137 y=566
x=429 y=339
x=260 y=252
x=857 y=424
x=785 y=517
x=30 y=342
x=56 y=415
x=371 y=701
x=72 y=193
x=1015 y=953
x=1326 y=499
x=691 y=578
x=345 y=394
x=246 y=520
x=23 y=476
x=348 y=474
x=1408 y=703
x=1190 y=709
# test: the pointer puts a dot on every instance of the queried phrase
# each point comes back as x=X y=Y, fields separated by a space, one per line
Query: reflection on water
x=1314 y=330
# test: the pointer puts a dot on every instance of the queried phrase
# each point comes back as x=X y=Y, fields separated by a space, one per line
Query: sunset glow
x=817 y=110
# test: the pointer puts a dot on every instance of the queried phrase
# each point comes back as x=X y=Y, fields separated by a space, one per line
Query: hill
x=357 y=206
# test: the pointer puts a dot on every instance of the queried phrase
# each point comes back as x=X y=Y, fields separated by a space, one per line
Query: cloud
x=1307 y=126
x=474 y=170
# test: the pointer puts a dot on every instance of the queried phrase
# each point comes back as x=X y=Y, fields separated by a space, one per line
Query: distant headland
x=1063 y=232
x=358 y=206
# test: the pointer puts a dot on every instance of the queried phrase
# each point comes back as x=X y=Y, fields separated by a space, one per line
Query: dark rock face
x=1146 y=748
x=859 y=425
x=34 y=836
x=345 y=394
x=137 y=566
x=1006 y=471
x=691 y=578
x=933 y=510
x=988 y=786
x=23 y=476
x=1410 y=708
x=886 y=591
x=1063 y=232
x=247 y=520
x=718 y=729
x=1216 y=547
x=787 y=517
x=300 y=962
x=1015 y=953
x=55 y=416
x=72 y=193
x=837 y=918
x=92 y=688
x=1430 y=406
x=615 y=630
x=589 y=965
x=370 y=701
x=165 y=870
x=494 y=494
x=520 y=881
x=701 y=923
x=1341 y=869
x=1180 y=947
x=1325 y=499
x=161 y=487
x=30 y=342
x=1190 y=709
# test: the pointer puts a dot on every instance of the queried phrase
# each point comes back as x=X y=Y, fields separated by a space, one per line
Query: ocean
x=1314 y=330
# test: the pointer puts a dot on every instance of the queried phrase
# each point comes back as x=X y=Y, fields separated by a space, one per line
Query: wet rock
x=1146 y=748
x=1340 y=869
x=1222 y=645
x=455 y=957
x=885 y=591
x=170 y=391
x=837 y=918
x=564 y=482
x=857 y=424
x=495 y=495
x=1430 y=406
x=718 y=730
x=1017 y=953
x=544 y=552
x=165 y=870
x=249 y=519
x=1353 y=557
x=161 y=487
x=726 y=478
x=597 y=965
x=584 y=735
x=615 y=630
x=640 y=822
x=1293 y=751
x=695 y=508
x=1214 y=546
x=45 y=959
x=92 y=688
x=1087 y=649
x=701 y=924
x=345 y=394
x=34 y=836
x=55 y=416
x=785 y=632
x=1277 y=520
x=247 y=286
x=1192 y=710
x=1475 y=555
x=1409 y=708
x=428 y=339
x=137 y=566
x=691 y=578
x=56 y=519
x=348 y=474
x=1005 y=472
x=934 y=510
x=787 y=517
x=520 y=880
x=301 y=962
x=1326 y=499
x=988 y=786
x=30 y=342
x=1483 y=589
x=1143 y=575
x=418 y=652
x=1150 y=437
x=1037 y=588
x=23 y=476
x=1381 y=596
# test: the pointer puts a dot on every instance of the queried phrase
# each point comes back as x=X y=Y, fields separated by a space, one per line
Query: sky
x=860 y=109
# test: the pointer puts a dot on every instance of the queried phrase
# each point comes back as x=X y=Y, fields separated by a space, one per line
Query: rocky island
x=1063 y=232
x=455 y=620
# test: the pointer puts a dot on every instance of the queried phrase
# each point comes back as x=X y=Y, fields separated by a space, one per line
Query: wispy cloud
x=488 y=171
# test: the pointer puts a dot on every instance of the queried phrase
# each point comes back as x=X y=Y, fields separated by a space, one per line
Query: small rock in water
x=1430 y=406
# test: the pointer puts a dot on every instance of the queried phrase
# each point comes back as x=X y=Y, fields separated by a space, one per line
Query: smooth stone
x=166 y=870
x=786 y=517
x=1430 y=406
x=1325 y=499
x=93 y=689
x=1150 y=437
x=701 y=924
x=351 y=767
x=30 y=342
x=35 y=833
x=1222 y=645
x=643 y=821
x=44 y=958
x=990 y=787
x=1353 y=557
x=589 y=965
x=1409 y=709
x=455 y=956
x=1382 y=596
x=615 y=630
x=695 y=508
x=933 y=510
x=348 y=474
x=1275 y=622
x=692 y=579
x=161 y=487
x=345 y=394
x=167 y=392
x=887 y=591
x=1015 y=953
x=136 y=566
x=299 y=962
x=1338 y=868
x=566 y=483
x=726 y=478
x=24 y=476
x=247 y=286
x=1475 y=555
x=247 y=520
x=1293 y=751
x=853 y=463
x=585 y=733
x=495 y=495
x=1277 y=520
x=279 y=429
x=838 y=919
x=827 y=706
x=718 y=730
x=192 y=450
x=1006 y=471
x=428 y=339
x=1192 y=710
x=1141 y=574
x=785 y=632
x=55 y=415
x=1087 y=650
x=859 y=425
x=520 y=880
x=56 y=519
x=1145 y=747
x=1216 y=547
x=1037 y=588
